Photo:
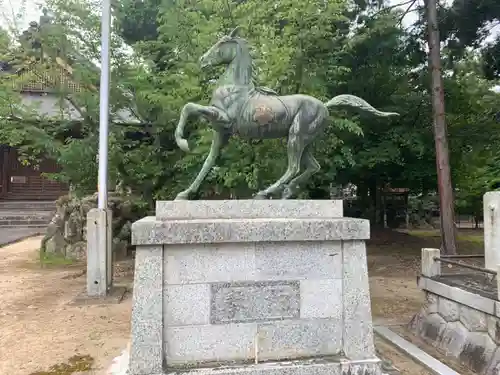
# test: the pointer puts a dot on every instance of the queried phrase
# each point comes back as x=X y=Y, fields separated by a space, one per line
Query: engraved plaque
x=254 y=301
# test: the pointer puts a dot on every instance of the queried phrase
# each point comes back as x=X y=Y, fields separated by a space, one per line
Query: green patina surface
x=241 y=108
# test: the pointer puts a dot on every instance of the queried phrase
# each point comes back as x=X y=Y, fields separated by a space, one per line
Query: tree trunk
x=372 y=205
x=379 y=206
x=448 y=232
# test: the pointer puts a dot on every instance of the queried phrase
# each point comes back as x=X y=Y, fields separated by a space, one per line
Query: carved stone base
x=220 y=284
x=324 y=366
x=300 y=367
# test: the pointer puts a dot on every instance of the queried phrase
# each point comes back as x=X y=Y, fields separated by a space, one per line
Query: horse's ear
x=234 y=32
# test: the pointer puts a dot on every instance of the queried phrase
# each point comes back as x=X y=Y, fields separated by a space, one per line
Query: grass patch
x=475 y=236
x=50 y=259
x=411 y=243
x=424 y=233
x=77 y=363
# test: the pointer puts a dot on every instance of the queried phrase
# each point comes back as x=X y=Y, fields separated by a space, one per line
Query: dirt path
x=395 y=299
x=400 y=361
x=393 y=288
x=38 y=329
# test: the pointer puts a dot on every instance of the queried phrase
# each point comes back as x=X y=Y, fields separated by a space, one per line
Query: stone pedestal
x=491 y=212
x=260 y=287
x=99 y=252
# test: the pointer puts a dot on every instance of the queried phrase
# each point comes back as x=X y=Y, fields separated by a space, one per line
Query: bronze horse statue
x=239 y=107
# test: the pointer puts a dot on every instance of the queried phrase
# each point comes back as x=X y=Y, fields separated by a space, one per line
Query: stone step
x=25 y=219
x=27 y=205
x=23 y=223
x=42 y=227
x=25 y=214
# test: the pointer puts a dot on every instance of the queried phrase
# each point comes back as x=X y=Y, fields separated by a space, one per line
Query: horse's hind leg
x=295 y=147
x=311 y=167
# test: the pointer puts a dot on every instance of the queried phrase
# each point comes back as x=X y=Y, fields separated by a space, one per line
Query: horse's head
x=222 y=52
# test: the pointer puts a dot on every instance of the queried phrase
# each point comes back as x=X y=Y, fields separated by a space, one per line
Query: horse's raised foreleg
x=311 y=167
x=219 y=140
x=213 y=114
x=220 y=121
x=295 y=147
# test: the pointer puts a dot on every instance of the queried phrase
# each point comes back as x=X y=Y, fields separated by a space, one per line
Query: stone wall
x=460 y=324
x=66 y=233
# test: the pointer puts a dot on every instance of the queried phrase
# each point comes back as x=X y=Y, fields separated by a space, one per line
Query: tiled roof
x=41 y=88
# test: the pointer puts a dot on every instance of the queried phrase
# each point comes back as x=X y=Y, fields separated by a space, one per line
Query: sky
x=412 y=16
x=10 y=7
x=33 y=12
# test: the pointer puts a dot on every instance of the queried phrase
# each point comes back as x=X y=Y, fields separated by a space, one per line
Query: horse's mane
x=244 y=46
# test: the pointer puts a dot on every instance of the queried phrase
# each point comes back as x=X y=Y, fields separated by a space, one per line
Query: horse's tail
x=356 y=103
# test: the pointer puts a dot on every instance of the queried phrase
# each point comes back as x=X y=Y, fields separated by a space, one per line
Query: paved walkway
x=10 y=235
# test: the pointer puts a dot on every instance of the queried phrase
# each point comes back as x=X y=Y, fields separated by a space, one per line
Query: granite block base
x=303 y=367
x=262 y=287
x=318 y=366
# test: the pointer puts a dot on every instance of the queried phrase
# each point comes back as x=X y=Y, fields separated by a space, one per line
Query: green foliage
x=467 y=23
x=79 y=163
x=422 y=209
x=313 y=47
x=474 y=135
x=296 y=55
x=53 y=260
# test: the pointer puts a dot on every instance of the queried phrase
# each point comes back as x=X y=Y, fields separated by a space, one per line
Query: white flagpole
x=104 y=106
x=99 y=252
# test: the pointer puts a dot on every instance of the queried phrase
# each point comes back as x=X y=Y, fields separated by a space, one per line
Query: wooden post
x=448 y=233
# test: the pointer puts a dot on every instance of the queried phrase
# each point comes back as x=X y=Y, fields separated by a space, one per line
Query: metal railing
x=446 y=259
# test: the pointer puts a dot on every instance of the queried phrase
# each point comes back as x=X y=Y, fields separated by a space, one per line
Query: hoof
x=183 y=196
x=183 y=145
x=260 y=196
x=287 y=193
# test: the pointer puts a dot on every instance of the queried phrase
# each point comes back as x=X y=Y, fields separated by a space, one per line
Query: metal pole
x=99 y=255
x=465 y=265
x=102 y=182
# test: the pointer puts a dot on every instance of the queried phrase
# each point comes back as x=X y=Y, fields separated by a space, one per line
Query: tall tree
x=445 y=188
